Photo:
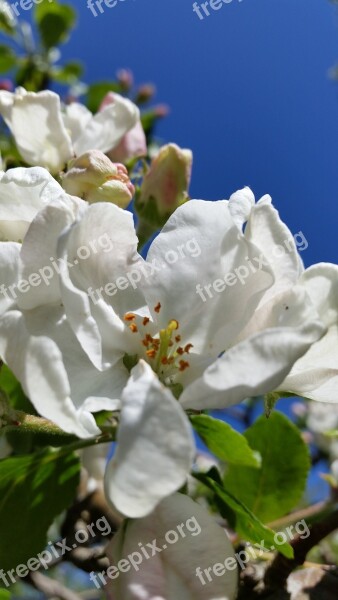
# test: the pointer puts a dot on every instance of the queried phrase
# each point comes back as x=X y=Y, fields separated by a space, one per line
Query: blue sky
x=249 y=92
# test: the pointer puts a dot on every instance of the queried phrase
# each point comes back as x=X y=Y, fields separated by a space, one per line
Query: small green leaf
x=277 y=486
x=54 y=22
x=247 y=525
x=68 y=73
x=14 y=392
x=4 y=595
x=7 y=58
x=34 y=490
x=224 y=442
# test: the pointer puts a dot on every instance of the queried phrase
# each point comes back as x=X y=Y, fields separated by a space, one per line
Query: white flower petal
x=240 y=206
x=76 y=117
x=106 y=234
x=155 y=446
x=266 y=230
x=36 y=124
x=107 y=128
x=23 y=193
x=253 y=367
x=56 y=375
x=172 y=573
x=201 y=245
x=39 y=252
x=9 y=268
x=315 y=375
x=37 y=363
x=321 y=283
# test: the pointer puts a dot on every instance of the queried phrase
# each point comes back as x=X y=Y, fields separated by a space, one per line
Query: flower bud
x=6 y=84
x=145 y=93
x=165 y=186
x=95 y=178
x=125 y=78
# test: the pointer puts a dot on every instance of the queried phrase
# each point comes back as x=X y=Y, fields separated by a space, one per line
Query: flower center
x=161 y=349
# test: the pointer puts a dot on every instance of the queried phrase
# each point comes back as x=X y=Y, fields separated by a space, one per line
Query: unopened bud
x=125 y=78
x=165 y=186
x=6 y=84
x=145 y=93
x=161 y=111
x=95 y=178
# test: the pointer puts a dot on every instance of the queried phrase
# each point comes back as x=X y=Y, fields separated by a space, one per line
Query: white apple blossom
x=48 y=136
x=176 y=570
x=74 y=353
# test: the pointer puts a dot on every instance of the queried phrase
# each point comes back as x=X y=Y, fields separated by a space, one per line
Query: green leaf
x=7 y=58
x=68 y=73
x=247 y=525
x=98 y=91
x=224 y=442
x=54 y=22
x=277 y=486
x=33 y=491
x=4 y=595
x=14 y=392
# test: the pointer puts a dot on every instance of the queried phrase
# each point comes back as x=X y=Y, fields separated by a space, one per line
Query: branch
x=280 y=569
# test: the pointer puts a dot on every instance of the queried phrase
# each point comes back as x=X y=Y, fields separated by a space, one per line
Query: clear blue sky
x=249 y=92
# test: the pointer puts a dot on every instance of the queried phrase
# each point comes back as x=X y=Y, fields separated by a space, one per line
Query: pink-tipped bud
x=125 y=78
x=161 y=111
x=95 y=178
x=165 y=186
x=7 y=85
x=145 y=93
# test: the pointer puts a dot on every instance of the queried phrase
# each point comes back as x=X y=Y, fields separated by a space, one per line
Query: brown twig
x=280 y=569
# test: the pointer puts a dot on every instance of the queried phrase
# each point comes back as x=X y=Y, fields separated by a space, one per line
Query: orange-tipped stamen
x=183 y=364
x=129 y=317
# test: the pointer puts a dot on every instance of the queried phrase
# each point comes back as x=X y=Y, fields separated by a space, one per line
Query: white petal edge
x=172 y=574
x=155 y=448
